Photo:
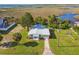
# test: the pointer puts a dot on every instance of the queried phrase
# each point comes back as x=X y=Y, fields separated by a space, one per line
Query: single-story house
x=38 y=31
x=4 y=25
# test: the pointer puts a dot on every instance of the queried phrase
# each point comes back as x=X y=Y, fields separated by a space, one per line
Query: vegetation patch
x=76 y=29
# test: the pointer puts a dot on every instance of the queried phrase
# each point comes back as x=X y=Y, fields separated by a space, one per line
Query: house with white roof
x=38 y=31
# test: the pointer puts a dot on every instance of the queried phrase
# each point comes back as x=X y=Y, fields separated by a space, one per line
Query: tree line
x=53 y=21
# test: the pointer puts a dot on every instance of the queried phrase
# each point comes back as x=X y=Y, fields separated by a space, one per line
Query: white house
x=38 y=31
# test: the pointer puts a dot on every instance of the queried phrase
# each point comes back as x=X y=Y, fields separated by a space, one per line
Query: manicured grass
x=67 y=43
x=67 y=37
x=22 y=49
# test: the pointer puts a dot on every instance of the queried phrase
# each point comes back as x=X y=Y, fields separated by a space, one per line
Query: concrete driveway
x=47 y=50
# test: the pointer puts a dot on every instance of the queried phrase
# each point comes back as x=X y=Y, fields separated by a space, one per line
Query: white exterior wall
x=36 y=32
x=76 y=23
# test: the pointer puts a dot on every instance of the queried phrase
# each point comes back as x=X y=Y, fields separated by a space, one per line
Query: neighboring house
x=76 y=23
x=38 y=31
x=4 y=25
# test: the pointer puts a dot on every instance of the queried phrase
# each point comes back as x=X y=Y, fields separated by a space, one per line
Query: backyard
x=25 y=46
x=66 y=42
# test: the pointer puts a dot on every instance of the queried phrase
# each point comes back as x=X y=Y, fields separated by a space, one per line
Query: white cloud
x=39 y=1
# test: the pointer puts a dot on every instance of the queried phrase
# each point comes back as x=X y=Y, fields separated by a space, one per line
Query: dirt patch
x=18 y=28
x=9 y=37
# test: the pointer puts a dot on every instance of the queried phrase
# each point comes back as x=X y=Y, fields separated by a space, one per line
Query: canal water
x=68 y=16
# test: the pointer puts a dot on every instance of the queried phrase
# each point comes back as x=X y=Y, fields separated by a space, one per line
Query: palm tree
x=52 y=21
x=38 y=19
x=41 y=20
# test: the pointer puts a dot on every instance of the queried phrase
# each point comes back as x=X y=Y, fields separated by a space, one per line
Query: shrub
x=17 y=36
x=1 y=37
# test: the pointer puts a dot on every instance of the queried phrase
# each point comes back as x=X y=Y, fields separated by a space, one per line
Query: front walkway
x=47 y=50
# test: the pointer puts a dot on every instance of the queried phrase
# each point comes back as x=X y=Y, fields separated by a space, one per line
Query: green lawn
x=67 y=37
x=22 y=49
x=76 y=29
x=68 y=42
